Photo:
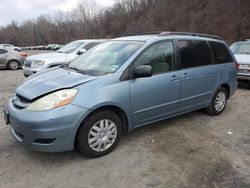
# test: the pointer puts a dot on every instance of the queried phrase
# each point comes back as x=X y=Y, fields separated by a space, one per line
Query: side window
x=194 y=53
x=3 y=51
x=160 y=56
x=90 y=45
x=221 y=53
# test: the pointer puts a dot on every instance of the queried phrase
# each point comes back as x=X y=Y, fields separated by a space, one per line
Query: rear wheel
x=99 y=134
x=218 y=103
x=13 y=65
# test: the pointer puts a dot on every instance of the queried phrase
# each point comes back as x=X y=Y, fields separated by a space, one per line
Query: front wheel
x=218 y=103
x=99 y=134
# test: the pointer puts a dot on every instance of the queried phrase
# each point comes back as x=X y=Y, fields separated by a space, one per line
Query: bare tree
x=227 y=18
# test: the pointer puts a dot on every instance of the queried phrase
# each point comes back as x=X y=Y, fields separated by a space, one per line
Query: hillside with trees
x=227 y=18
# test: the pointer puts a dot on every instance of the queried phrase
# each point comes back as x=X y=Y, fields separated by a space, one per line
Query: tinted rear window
x=221 y=53
x=194 y=53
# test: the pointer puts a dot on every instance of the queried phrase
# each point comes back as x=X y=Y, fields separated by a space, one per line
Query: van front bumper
x=49 y=131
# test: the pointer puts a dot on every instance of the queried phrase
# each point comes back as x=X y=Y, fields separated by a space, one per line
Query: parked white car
x=66 y=54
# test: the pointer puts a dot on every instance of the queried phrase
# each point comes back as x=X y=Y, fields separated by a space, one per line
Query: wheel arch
x=227 y=87
x=114 y=108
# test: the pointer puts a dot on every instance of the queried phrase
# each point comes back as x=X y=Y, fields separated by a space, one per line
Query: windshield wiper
x=77 y=70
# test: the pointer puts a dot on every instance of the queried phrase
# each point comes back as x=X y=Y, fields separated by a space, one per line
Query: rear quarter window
x=221 y=53
x=3 y=51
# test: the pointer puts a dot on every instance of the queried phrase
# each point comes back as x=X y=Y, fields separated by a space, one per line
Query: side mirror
x=81 y=51
x=142 y=71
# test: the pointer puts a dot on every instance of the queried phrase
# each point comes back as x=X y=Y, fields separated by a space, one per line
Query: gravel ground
x=189 y=151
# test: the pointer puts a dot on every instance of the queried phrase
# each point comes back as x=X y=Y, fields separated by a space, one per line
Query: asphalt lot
x=189 y=151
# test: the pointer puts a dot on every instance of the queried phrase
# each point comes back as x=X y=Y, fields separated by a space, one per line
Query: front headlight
x=53 y=100
x=37 y=63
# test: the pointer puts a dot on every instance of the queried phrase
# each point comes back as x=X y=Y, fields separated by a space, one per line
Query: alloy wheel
x=13 y=65
x=220 y=101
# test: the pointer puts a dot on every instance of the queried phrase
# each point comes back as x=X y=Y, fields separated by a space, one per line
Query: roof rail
x=146 y=33
x=189 y=33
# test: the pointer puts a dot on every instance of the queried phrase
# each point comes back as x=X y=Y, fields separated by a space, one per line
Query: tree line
x=226 y=18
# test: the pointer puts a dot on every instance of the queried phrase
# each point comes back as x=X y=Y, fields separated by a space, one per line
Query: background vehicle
x=11 y=59
x=56 y=47
x=10 y=47
x=120 y=85
x=64 y=55
x=40 y=47
x=241 y=52
x=50 y=46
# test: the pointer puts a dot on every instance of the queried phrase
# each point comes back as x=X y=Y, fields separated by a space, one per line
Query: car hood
x=46 y=56
x=243 y=58
x=53 y=57
x=51 y=80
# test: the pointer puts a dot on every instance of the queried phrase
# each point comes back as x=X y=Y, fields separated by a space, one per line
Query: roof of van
x=169 y=35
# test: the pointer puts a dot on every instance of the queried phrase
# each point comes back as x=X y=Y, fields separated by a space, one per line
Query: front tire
x=99 y=134
x=13 y=65
x=218 y=103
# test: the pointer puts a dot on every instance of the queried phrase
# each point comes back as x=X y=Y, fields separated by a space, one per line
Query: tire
x=108 y=139
x=13 y=65
x=248 y=84
x=214 y=107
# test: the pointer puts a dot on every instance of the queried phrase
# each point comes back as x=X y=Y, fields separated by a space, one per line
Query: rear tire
x=13 y=65
x=218 y=103
x=99 y=134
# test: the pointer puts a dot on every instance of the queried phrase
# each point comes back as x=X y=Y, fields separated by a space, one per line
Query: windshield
x=71 y=47
x=241 y=48
x=105 y=58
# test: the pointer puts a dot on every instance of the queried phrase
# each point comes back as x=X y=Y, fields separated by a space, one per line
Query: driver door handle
x=186 y=75
x=174 y=78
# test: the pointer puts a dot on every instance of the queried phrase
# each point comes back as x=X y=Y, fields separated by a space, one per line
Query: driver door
x=154 y=98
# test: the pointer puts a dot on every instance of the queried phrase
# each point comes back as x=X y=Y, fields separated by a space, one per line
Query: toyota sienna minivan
x=120 y=85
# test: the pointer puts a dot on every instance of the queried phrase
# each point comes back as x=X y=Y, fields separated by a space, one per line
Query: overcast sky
x=20 y=10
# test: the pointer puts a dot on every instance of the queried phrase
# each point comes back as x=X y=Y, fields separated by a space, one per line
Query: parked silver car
x=11 y=59
x=68 y=53
x=241 y=52
x=10 y=47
